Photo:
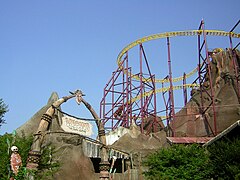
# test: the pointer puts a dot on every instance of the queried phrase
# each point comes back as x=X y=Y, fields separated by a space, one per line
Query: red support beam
x=172 y=110
x=234 y=58
x=204 y=71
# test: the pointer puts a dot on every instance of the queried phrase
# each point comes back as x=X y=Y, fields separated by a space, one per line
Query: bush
x=3 y=110
x=178 y=162
x=221 y=160
x=46 y=167
x=225 y=159
x=6 y=141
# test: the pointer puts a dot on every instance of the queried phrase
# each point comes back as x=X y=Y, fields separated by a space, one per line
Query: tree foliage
x=3 y=110
x=178 y=162
x=46 y=167
x=225 y=159
x=221 y=160
x=6 y=142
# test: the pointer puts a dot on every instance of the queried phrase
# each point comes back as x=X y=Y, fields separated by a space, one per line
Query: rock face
x=140 y=143
x=114 y=135
x=189 y=121
x=30 y=127
x=69 y=153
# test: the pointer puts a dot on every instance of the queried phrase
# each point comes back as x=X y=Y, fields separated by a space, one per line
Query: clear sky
x=62 y=45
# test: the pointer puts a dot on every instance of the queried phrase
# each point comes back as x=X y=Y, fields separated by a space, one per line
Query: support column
x=172 y=110
x=46 y=119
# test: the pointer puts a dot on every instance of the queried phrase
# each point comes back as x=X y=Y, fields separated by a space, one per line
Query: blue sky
x=60 y=45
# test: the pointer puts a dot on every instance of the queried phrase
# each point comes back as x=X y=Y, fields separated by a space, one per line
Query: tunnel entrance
x=119 y=165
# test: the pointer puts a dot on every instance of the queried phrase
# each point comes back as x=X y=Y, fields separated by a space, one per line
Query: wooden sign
x=73 y=125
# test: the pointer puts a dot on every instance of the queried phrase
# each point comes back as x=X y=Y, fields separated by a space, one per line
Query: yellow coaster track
x=165 y=35
x=171 y=34
x=164 y=89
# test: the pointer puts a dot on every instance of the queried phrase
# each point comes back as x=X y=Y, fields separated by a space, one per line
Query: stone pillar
x=46 y=119
x=33 y=159
x=104 y=167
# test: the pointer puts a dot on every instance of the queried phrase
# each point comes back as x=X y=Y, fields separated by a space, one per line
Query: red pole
x=127 y=94
x=141 y=89
x=172 y=111
x=210 y=81
x=184 y=89
x=112 y=99
x=123 y=118
x=155 y=106
x=235 y=59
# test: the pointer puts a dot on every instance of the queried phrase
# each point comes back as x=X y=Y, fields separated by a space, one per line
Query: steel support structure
x=205 y=82
x=184 y=89
x=149 y=102
x=170 y=102
x=115 y=96
x=130 y=97
x=234 y=59
x=119 y=105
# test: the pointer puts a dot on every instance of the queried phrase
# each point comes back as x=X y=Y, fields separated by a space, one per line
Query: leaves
x=6 y=141
x=178 y=162
x=219 y=161
x=3 y=110
x=46 y=166
x=225 y=159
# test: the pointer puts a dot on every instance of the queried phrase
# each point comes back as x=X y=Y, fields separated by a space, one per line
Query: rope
x=85 y=119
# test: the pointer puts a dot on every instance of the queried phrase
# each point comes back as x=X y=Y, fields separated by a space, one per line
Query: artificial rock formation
x=30 y=127
x=189 y=121
x=46 y=120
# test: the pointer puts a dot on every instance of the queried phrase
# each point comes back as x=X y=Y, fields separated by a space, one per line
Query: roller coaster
x=131 y=97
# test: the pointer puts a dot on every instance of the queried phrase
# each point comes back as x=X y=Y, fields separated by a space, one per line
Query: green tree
x=6 y=141
x=225 y=159
x=46 y=166
x=3 y=110
x=178 y=162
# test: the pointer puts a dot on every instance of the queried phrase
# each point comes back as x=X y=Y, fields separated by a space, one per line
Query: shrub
x=178 y=162
x=225 y=159
x=46 y=166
